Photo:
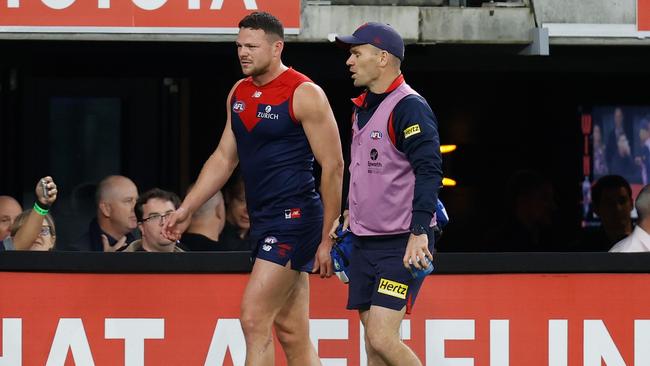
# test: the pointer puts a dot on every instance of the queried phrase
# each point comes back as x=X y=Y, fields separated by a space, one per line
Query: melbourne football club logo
x=375 y=135
x=257 y=94
x=238 y=106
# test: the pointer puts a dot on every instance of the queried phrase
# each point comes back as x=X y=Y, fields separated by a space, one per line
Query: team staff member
x=395 y=175
x=277 y=122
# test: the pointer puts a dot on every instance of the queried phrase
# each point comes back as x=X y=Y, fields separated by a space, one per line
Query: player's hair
x=264 y=21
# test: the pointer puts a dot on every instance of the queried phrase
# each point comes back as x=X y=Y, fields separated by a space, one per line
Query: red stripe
x=358 y=101
x=397 y=82
x=409 y=304
x=293 y=118
x=391 y=130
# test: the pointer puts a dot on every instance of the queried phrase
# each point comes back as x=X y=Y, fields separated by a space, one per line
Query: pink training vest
x=381 y=178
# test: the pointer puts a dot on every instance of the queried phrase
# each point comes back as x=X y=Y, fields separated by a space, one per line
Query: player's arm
x=312 y=109
x=214 y=174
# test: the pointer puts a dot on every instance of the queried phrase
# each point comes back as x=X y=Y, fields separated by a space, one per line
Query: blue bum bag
x=341 y=253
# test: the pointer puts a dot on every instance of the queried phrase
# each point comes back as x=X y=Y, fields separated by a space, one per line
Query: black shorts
x=377 y=274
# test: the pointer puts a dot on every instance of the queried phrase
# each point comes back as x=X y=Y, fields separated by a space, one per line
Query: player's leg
x=268 y=289
x=382 y=334
x=373 y=357
x=292 y=326
x=394 y=294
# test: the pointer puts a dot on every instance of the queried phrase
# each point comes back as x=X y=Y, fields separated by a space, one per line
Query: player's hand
x=416 y=249
x=346 y=223
x=176 y=224
x=46 y=191
x=113 y=248
x=323 y=259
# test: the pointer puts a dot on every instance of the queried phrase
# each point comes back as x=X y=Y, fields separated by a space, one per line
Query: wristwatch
x=417 y=229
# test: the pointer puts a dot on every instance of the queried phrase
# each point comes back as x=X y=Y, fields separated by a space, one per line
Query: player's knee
x=379 y=340
x=287 y=334
x=286 y=337
x=252 y=323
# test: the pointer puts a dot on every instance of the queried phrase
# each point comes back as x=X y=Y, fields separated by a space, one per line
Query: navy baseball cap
x=380 y=35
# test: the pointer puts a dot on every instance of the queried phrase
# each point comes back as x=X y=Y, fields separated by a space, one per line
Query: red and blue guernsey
x=275 y=157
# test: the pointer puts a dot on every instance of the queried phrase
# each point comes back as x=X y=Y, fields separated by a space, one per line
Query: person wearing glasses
x=152 y=209
x=34 y=229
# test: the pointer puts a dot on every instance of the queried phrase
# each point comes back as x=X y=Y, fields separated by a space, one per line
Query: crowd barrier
x=496 y=309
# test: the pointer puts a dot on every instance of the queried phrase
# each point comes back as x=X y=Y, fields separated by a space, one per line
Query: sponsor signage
x=140 y=16
x=643 y=15
x=192 y=319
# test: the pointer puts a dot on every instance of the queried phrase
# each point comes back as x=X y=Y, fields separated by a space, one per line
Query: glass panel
x=84 y=135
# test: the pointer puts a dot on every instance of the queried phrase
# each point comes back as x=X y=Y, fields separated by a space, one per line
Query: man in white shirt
x=639 y=240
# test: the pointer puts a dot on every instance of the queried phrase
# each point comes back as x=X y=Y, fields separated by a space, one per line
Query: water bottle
x=420 y=273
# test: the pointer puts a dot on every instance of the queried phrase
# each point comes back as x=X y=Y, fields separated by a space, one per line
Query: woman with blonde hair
x=34 y=229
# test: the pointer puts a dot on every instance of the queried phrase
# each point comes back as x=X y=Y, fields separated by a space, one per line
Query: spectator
x=9 y=210
x=113 y=226
x=528 y=224
x=612 y=203
x=644 y=159
x=639 y=240
x=152 y=210
x=600 y=163
x=45 y=239
x=34 y=229
x=622 y=162
x=204 y=231
x=613 y=139
x=235 y=232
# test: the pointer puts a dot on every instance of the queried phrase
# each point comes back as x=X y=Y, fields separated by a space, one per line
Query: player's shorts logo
x=266 y=247
x=270 y=240
x=292 y=213
x=238 y=106
x=376 y=135
x=392 y=288
x=283 y=250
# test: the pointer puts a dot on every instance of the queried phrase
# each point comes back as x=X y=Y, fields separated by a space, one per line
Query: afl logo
x=238 y=106
x=375 y=135
x=267 y=109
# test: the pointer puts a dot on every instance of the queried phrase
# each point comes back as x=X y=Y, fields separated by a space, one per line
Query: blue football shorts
x=295 y=243
x=377 y=274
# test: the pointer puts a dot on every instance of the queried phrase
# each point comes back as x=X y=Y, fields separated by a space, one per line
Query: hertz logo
x=411 y=130
x=392 y=288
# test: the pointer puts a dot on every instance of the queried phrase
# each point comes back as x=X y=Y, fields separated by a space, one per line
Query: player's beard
x=257 y=70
